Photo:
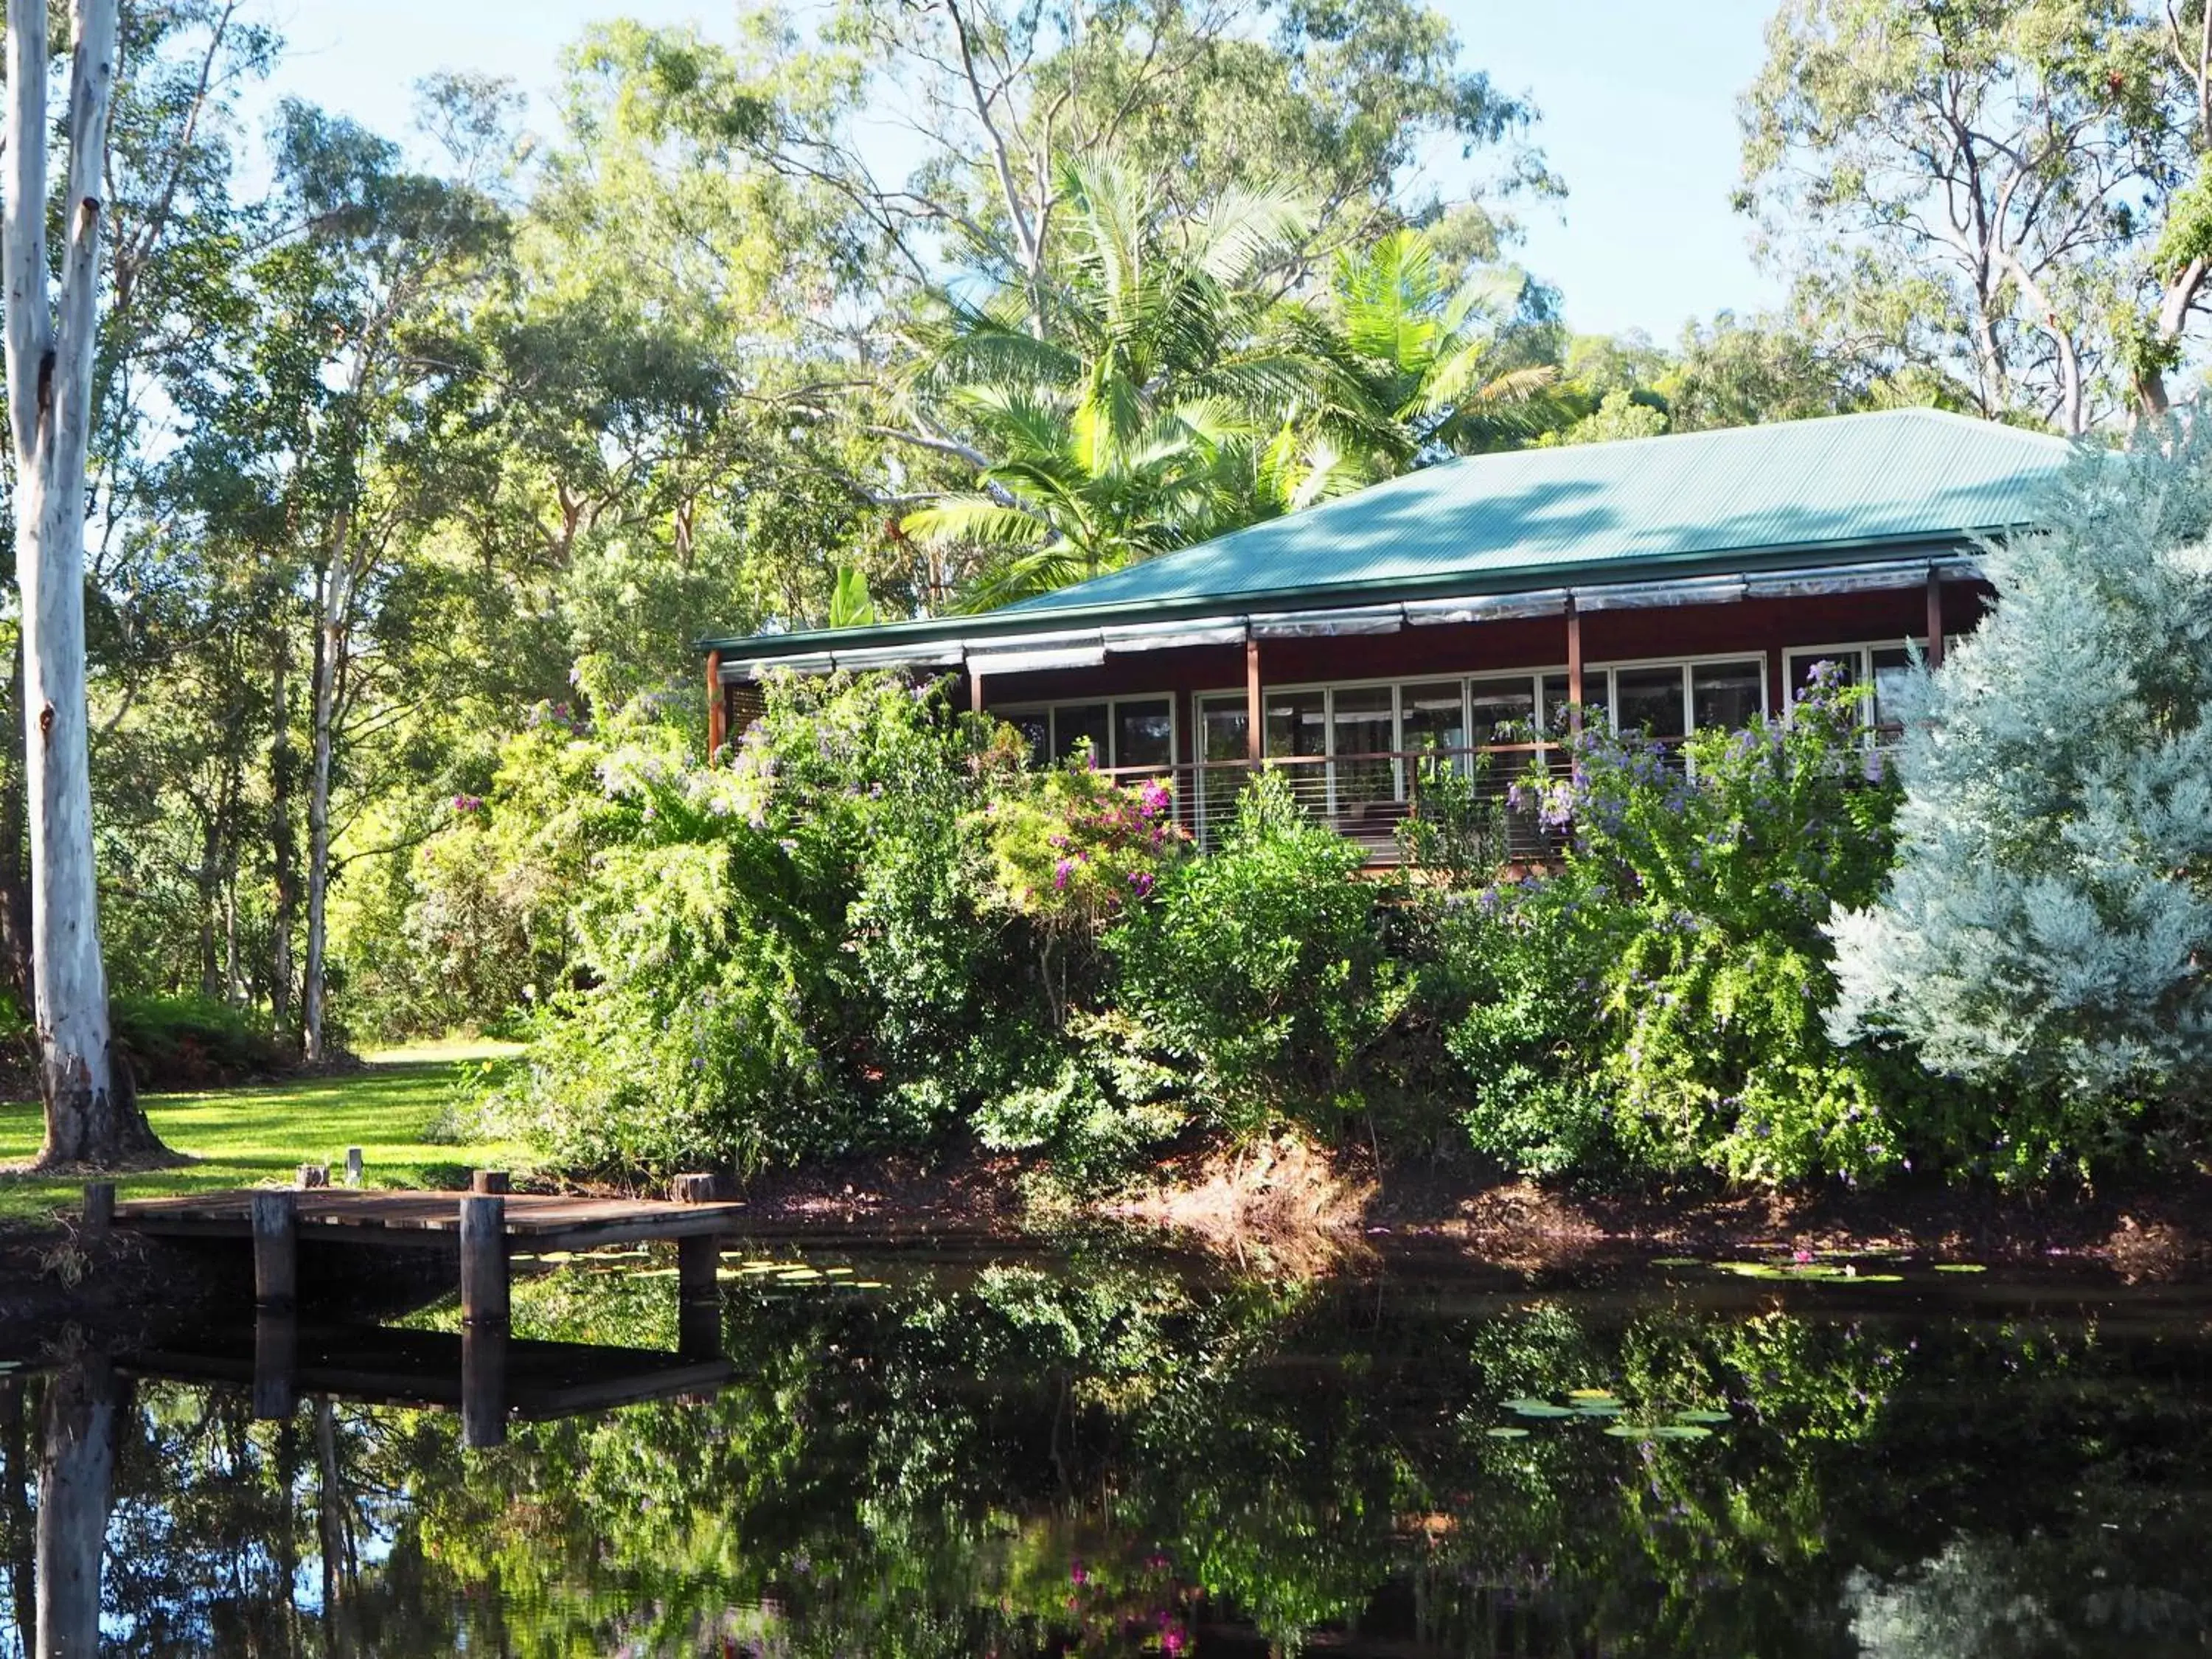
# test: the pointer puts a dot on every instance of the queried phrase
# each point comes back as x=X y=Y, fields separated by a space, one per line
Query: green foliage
x=1260 y=968
x=1659 y=1004
x=2046 y=925
x=786 y=955
x=192 y=1042
x=1077 y=849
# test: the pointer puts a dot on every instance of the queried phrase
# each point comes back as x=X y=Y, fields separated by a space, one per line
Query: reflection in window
x=1295 y=724
x=1144 y=733
x=1036 y=728
x=1363 y=722
x=1727 y=695
x=1650 y=700
x=1504 y=709
x=1892 y=672
x=1433 y=716
x=1071 y=725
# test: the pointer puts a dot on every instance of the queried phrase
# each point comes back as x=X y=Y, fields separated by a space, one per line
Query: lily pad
x=1703 y=1415
x=1821 y=1272
x=1676 y=1261
x=1593 y=1393
x=869 y=1285
x=1527 y=1407
x=1506 y=1431
x=1961 y=1267
x=1658 y=1431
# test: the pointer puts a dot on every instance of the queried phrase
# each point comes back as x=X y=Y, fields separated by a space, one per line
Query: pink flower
x=1060 y=873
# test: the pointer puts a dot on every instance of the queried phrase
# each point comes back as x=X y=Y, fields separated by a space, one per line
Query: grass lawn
x=248 y=1137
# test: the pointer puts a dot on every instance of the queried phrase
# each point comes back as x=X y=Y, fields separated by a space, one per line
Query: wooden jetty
x=488 y=1227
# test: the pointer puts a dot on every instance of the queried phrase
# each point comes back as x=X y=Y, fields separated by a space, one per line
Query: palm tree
x=1421 y=366
x=1133 y=421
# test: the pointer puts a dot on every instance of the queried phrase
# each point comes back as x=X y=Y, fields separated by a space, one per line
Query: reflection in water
x=1118 y=1454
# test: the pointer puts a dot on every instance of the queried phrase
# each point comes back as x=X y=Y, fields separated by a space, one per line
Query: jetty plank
x=534 y=1221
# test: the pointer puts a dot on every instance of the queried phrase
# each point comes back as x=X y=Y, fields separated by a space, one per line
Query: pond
x=923 y=1451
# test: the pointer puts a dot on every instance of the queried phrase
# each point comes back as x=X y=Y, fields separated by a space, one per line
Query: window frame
x=1112 y=703
x=1863 y=650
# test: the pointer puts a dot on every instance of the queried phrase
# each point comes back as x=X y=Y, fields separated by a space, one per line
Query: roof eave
x=1007 y=622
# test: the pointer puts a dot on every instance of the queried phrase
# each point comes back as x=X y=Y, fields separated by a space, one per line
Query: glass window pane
x=1072 y=723
x=1144 y=733
x=1296 y=725
x=1845 y=659
x=1502 y=706
x=1727 y=695
x=1893 y=670
x=1434 y=716
x=1221 y=731
x=1035 y=725
x=1363 y=728
x=1595 y=699
x=1650 y=700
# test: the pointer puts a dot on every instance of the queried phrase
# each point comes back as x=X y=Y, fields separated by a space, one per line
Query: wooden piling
x=697 y=1260
x=695 y=1189
x=484 y=1260
x=489 y=1180
x=699 y=1328
x=276 y=1217
x=314 y=1174
x=353 y=1166
x=483 y=1383
x=275 y=1362
x=99 y=1209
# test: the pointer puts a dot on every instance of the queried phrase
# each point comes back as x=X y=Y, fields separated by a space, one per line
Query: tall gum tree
x=91 y=1112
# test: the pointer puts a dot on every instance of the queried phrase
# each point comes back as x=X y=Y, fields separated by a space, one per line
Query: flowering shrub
x=1690 y=917
x=1076 y=849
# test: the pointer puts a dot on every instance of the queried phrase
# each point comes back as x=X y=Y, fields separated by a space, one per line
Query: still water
x=1112 y=1451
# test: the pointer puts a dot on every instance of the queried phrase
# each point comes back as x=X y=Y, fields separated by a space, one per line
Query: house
x=1666 y=584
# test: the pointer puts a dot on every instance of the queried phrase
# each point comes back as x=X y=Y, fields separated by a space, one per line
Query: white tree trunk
x=50 y=361
x=334 y=600
x=76 y=1465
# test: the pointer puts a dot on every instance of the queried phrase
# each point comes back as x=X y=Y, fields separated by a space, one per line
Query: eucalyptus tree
x=2006 y=191
x=317 y=447
x=92 y=1112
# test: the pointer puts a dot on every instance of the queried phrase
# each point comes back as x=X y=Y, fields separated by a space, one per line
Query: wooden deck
x=532 y=1222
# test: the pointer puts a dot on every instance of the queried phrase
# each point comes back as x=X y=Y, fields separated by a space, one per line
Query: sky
x=1638 y=103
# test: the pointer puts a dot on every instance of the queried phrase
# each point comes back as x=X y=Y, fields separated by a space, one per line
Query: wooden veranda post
x=974 y=690
x=718 y=708
x=1574 y=664
x=1934 y=618
x=1256 y=733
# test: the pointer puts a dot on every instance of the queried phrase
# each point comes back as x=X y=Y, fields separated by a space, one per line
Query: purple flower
x=1142 y=881
x=1060 y=873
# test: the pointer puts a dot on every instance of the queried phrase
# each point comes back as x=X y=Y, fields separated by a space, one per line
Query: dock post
x=275 y=1357
x=353 y=1166
x=276 y=1248
x=488 y=1181
x=484 y=1260
x=483 y=1385
x=314 y=1174
x=99 y=1209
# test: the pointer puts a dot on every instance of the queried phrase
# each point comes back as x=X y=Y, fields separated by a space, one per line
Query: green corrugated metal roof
x=1838 y=488
x=1901 y=474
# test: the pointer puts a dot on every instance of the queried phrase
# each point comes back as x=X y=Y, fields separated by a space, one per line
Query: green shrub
x=1662 y=1002
x=791 y=954
x=1259 y=970
x=194 y=1043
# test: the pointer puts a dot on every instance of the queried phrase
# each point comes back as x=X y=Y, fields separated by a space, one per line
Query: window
x=1079 y=722
x=1885 y=667
x=1123 y=732
x=1143 y=732
x=1503 y=710
x=1727 y=695
x=1648 y=699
